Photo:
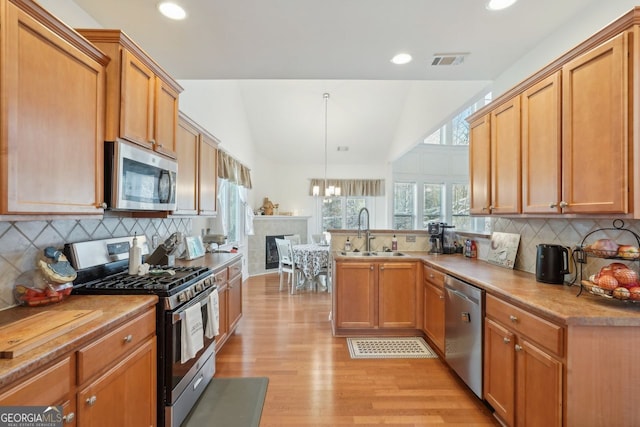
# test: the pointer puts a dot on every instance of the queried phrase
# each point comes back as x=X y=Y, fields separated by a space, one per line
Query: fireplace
x=271 y=252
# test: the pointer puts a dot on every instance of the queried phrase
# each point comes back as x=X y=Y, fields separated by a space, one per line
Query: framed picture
x=503 y=249
x=193 y=247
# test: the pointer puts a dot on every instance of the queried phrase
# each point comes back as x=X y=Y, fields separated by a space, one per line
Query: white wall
x=581 y=27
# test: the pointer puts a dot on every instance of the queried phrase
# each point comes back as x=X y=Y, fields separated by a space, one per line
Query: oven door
x=140 y=179
x=180 y=375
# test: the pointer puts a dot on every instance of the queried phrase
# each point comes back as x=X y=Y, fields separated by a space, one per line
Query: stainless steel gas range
x=102 y=267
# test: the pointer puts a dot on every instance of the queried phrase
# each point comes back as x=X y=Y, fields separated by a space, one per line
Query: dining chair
x=317 y=238
x=286 y=263
x=293 y=238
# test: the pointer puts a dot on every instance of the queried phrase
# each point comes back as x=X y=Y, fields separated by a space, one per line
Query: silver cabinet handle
x=382 y=267
x=91 y=401
x=506 y=340
x=564 y=204
x=518 y=347
x=513 y=318
x=128 y=339
x=441 y=296
x=371 y=267
x=431 y=276
x=69 y=418
x=553 y=205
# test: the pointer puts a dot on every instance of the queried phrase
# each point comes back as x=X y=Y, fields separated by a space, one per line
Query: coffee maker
x=441 y=238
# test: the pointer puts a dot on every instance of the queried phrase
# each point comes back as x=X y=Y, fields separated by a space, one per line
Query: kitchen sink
x=370 y=254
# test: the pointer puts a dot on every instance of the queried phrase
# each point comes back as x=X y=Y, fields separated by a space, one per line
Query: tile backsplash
x=22 y=242
x=565 y=232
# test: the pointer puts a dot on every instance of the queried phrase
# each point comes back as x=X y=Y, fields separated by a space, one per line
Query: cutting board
x=23 y=335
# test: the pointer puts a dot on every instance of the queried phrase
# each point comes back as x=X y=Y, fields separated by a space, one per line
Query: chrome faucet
x=367 y=232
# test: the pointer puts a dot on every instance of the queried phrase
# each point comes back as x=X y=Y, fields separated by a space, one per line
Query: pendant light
x=329 y=190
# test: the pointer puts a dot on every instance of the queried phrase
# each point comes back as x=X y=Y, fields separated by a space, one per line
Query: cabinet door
x=53 y=104
x=499 y=370
x=187 y=181
x=397 y=295
x=355 y=295
x=125 y=395
x=208 y=173
x=541 y=147
x=506 y=187
x=595 y=113
x=223 y=327
x=137 y=101
x=434 y=314
x=539 y=387
x=165 y=119
x=235 y=302
x=480 y=165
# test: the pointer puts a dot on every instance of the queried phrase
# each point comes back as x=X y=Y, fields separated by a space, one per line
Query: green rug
x=230 y=402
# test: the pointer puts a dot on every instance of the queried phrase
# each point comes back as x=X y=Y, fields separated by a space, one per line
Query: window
x=433 y=208
x=404 y=205
x=230 y=209
x=341 y=212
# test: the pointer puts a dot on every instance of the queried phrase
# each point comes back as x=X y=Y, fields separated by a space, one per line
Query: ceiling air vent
x=448 y=58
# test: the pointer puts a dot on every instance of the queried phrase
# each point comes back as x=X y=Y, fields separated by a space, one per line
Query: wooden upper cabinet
x=52 y=106
x=480 y=165
x=197 y=169
x=506 y=187
x=142 y=99
x=137 y=95
x=208 y=175
x=541 y=146
x=595 y=129
x=187 y=180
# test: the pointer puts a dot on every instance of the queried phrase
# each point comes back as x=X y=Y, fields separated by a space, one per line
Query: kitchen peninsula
x=577 y=348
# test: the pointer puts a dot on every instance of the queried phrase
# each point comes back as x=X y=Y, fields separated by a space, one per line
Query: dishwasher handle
x=461 y=295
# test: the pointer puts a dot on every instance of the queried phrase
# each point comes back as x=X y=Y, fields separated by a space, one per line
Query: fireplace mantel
x=269 y=225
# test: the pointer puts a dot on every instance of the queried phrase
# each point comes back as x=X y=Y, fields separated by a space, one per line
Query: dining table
x=312 y=259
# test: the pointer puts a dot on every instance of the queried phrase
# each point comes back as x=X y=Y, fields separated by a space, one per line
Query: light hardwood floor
x=314 y=382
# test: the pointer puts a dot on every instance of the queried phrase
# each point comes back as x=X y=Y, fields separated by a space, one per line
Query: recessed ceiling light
x=401 y=59
x=499 y=4
x=172 y=10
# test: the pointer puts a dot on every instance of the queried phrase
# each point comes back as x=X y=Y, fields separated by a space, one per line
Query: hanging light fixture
x=329 y=190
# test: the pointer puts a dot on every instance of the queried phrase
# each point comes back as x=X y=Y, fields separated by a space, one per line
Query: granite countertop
x=116 y=309
x=558 y=303
x=214 y=260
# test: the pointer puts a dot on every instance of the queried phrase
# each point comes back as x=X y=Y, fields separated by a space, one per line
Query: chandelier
x=330 y=190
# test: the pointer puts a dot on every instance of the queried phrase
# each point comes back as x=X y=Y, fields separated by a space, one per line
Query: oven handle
x=202 y=301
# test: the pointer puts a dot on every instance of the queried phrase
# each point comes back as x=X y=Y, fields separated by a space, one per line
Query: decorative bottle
x=394 y=243
x=135 y=256
x=347 y=245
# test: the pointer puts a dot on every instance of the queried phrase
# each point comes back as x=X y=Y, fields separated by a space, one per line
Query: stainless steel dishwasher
x=464 y=313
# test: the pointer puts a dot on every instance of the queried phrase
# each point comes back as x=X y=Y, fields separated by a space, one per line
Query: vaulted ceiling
x=287 y=53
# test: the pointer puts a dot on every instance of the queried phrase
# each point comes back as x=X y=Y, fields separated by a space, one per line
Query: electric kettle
x=552 y=263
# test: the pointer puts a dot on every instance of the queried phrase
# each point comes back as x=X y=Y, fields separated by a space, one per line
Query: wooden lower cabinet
x=129 y=386
x=229 y=283
x=110 y=381
x=523 y=380
x=380 y=296
x=433 y=322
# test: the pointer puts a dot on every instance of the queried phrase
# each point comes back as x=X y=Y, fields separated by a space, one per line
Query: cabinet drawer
x=48 y=388
x=235 y=269
x=433 y=276
x=221 y=276
x=547 y=334
x=104 y=351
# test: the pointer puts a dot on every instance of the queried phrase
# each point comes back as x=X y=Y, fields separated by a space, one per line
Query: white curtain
x=221 y=218
x=248 y=212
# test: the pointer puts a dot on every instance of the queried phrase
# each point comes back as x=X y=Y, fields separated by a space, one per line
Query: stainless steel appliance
x=464 y=311
x=138 y=179
x=441 y=238
x=552 y=263
x=102 y=269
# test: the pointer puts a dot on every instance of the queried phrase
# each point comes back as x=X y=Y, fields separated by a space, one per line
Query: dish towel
x=192 y=333
x=213 y=316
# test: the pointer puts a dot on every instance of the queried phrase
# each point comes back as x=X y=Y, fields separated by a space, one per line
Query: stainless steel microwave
x=138 y=179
